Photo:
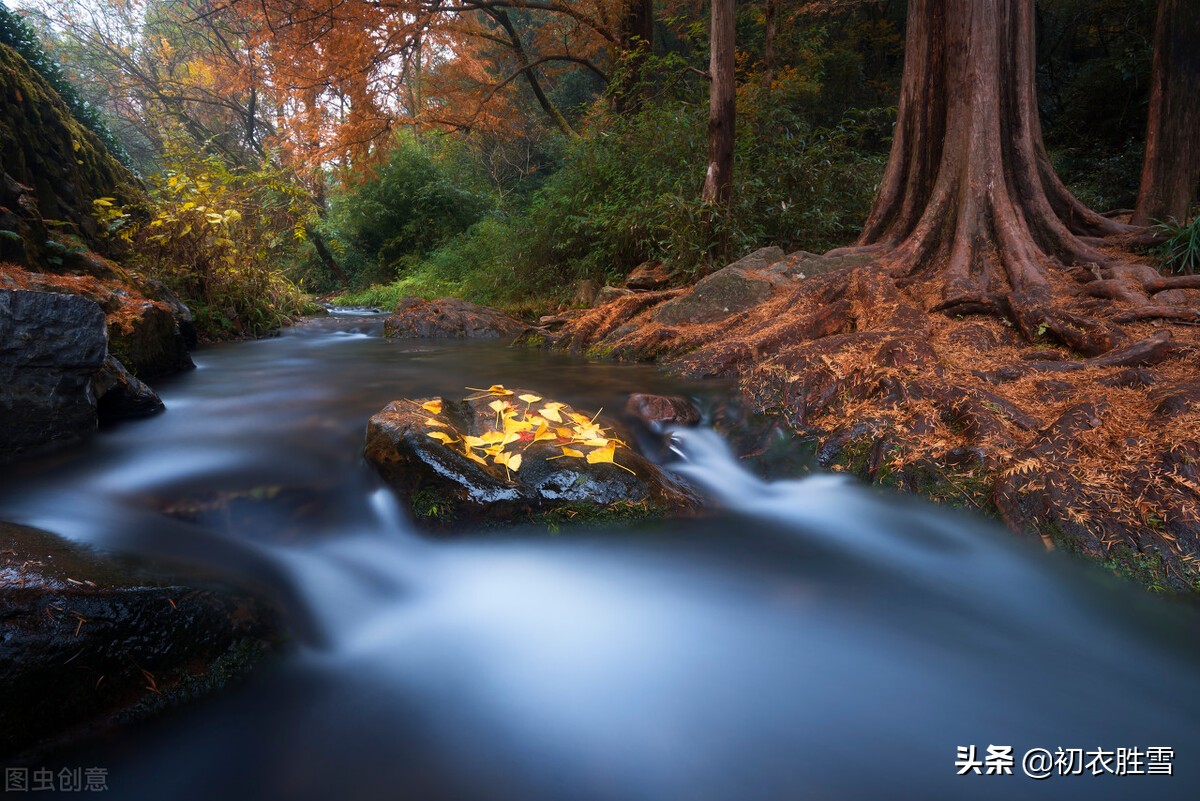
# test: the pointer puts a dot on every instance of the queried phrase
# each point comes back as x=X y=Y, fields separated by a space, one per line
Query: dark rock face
x=150 y=344
x=445 y=488
x=120 y=396
x=716 y=297
x=85 y=641
x=50 y=346
x=450 y=318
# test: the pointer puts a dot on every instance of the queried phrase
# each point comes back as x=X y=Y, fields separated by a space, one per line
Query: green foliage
x=17 y=34
x=385 y=221
x=1180 y=252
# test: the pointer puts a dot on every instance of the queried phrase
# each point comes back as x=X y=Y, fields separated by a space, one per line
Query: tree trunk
x=970 y=204
x=1171 y=170
x=636 y=43
x=718 y=181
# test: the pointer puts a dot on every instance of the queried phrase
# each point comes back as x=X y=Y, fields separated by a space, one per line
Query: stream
x=813 y=639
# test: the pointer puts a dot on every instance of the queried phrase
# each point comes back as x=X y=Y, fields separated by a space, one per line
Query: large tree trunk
x=1171 y=170
x=970 y=211
x=718 y=181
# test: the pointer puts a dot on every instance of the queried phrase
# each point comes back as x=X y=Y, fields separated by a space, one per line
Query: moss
x=1147 y=568
x=599 y=352
x=429 y=505
x=584 y=513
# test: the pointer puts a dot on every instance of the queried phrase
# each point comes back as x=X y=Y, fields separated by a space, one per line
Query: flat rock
x=84 y=640
x=445 y=489
x=450 y=318
x=802 y=264
x=716 y=297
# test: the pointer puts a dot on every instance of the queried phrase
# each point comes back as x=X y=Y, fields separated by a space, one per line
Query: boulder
x=649 y=276
x=585 y=293
x=148 y=341
x=120 y=396
x=445 y=488
x=610 y=293
x=51 y=345
x=450 y=318
x=716 y=297
x=87 y=641
x=759 y=259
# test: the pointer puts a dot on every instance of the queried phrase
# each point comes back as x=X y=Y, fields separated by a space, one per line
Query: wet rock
x=449 y=318
x=87 y=641
x=445 y=489
x=716 y=297
x=649 y=276
x=759 y=259
x=51 y=344
x=157 y=290
x=608 y=294
x=662 y=410
x=148 y=341
x=120 y=395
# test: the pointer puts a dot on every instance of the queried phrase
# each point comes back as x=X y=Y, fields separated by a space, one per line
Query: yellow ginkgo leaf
x=598 y=442
x=491 y=437
x=433 y=406
x=581 y=419
x=474 y=457
x=543 y=433
x=604 y=454
x=474 y=442
x=513 y=425
x=530 y=398
x=432 y=423
x=551 y=411
x=572 y=452
x=565 y=433
x=494 y=450
x=442 y=437
x=498 y=406
x=494 y=389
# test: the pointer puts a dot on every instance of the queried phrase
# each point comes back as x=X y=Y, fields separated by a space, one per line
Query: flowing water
x=813 y=640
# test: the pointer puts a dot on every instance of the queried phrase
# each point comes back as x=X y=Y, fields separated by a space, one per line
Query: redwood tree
x=970 y=212
x=1171 y=170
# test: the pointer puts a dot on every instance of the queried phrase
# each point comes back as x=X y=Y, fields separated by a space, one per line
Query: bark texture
x=718 y=180
x=1171 y=170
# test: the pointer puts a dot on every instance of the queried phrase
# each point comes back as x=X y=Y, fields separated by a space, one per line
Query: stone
x=445 y=489
x=802 y=264
x=716 y=297
x=51 y=345
x=87 y=641
x=661 y=410
x=120 y=395
x=610 y=293
x=759 y=259
x=585 y=293
x=450 y=318
x=649 y=276
x=148 y=341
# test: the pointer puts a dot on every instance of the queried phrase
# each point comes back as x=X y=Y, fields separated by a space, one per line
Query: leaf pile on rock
x=512 y=455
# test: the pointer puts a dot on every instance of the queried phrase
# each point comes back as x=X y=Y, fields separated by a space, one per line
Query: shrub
x=1180 y=252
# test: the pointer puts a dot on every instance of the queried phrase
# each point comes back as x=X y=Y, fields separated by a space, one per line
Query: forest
x=591 y=398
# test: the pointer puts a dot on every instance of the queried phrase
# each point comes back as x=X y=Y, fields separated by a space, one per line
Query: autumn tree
x=1171 y=169
x=970 y=212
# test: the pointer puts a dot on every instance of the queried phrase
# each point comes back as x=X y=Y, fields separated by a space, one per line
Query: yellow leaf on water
x=442 y=437
x=433 y=406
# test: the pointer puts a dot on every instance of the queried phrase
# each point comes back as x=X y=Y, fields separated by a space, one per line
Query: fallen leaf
x=433 y=406
x=442 y=437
